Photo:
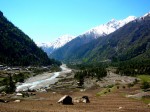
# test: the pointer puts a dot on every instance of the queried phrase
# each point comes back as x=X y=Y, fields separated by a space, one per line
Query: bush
x=10 y=87
x=145 y=85
x=123 y=87
x=110 y=86
x=130 y=85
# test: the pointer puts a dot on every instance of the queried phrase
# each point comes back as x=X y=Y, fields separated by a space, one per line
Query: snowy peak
x=147 y=14
x=49 y=47
x=129 y=19
x=109 y=27
x=61 y=41
x=46 y=44
x=58 y=43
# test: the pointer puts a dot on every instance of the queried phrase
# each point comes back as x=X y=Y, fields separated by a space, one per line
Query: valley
x=109 y=97
x=104 y=69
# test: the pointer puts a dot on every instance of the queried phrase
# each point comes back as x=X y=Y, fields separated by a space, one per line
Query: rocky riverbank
x=42 y=81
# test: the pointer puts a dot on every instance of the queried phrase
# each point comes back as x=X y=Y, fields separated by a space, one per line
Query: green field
x=107 y=90
x=144 y=78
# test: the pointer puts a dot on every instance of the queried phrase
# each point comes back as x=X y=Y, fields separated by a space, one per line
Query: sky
x=46 y=20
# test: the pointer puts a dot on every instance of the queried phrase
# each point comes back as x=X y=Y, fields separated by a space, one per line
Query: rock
x=54 y=92
x=120 y=108
x=78 y=100
x=42 y=90
x=19 y=94
x=82 y=90
x=129 y=96
x=17 y=101
x=66 y=100
x=86 y=99
x=83 y=99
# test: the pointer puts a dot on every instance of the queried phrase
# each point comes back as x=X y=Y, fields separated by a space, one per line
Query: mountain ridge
x=95 y=32
x=109 y=27
x=129 y=42
x=71 y=47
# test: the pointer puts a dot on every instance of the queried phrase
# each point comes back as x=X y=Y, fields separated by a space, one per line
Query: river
x=42 y=80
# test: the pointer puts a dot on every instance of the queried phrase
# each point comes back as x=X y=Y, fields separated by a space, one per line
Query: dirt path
x=47 y=102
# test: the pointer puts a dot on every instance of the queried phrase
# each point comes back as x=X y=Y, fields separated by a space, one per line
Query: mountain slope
x=68 y=51
x=50 y=47
x=16 y=48
x=132 y=41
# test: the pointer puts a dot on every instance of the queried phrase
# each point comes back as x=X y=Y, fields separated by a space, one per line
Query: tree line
x=134 y=67
x=87 y=71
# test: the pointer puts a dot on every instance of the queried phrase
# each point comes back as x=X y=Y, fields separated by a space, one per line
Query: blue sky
x=46 y=20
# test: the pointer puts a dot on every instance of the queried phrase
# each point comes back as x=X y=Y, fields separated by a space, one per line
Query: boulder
x=19 y=94
x=120 y=108
x=78 y=100
x=66 y=100
x=17 y=101
x=86 y=99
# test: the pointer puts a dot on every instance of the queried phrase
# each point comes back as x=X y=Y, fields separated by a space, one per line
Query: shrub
x=145 y=85
x=130 y=85
x=117 y=87
x=10 y=87
x=110 y=86
x=123 y=87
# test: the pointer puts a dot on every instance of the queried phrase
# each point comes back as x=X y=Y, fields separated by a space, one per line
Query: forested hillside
x=16 y=48
x=68 y=50
x=129 y=42
x=132 y=41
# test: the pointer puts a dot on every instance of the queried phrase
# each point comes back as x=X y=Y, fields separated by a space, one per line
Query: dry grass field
x=47 y=102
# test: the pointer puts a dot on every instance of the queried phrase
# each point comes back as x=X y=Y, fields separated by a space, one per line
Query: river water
x=42 y=80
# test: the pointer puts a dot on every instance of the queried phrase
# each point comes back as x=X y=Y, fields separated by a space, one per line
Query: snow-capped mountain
x=62 y=41
x=49 y=47
x=94 y=33
x=69 y=50
x=87 y=48
x=109 y=27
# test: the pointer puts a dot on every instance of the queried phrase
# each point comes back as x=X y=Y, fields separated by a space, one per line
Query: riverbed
x=42 y=81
